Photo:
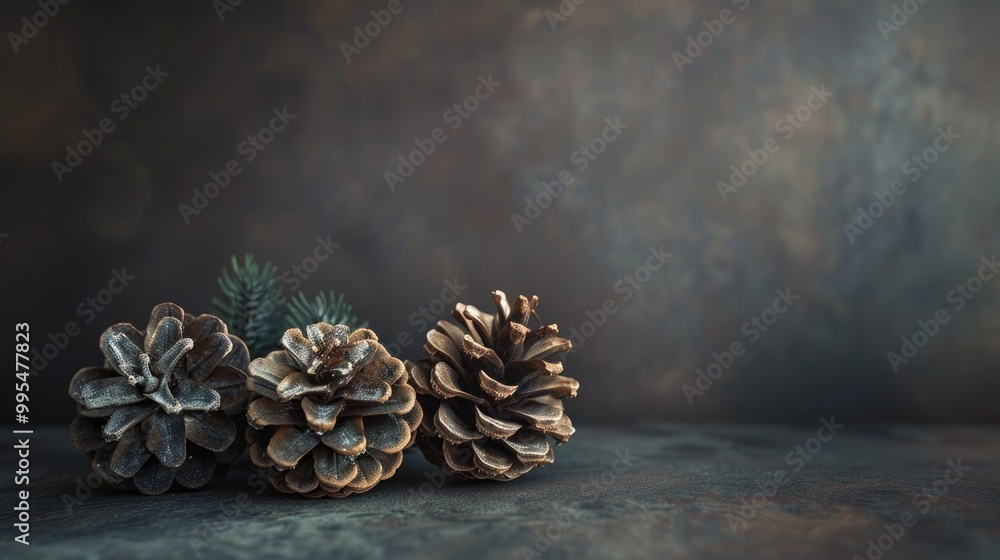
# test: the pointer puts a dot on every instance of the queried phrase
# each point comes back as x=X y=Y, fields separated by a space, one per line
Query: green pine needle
x=249 y=304
x=328 y=307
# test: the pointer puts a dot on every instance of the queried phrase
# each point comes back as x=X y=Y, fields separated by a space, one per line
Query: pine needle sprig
x=327 y=307
x=249 y=303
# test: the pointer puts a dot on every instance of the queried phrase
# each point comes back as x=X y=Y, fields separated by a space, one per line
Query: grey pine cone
x=492 y=392
x=333 y=412
x=165 y=405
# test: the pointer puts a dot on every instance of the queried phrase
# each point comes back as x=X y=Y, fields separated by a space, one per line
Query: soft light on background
x=655 y=184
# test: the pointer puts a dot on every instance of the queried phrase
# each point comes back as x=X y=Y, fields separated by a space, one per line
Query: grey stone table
x=657 y=491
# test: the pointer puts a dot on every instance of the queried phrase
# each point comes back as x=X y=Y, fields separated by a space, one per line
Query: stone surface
x=674 y=498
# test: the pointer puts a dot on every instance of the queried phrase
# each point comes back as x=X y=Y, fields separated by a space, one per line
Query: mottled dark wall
x=655 y=185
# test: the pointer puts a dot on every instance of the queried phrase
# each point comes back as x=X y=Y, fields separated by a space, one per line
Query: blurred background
x=363 y=87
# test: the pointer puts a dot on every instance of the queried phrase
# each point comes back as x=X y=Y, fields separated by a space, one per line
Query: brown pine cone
x=158 y=411
x=334 y=412
x=491 y=391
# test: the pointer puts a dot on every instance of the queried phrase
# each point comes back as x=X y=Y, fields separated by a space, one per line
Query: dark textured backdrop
x=655 y=185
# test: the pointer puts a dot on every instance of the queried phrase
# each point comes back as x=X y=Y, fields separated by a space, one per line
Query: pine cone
x=334 y=413
x=158 y=411
x=491 y=392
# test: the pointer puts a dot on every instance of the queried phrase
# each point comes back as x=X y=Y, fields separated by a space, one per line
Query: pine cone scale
x=454 y=334
x=389 y=433
x=269 y=375
x=539 y=384
x=123 y=353
x=529 y=446
x=560 y=429
x=510 y=341
x=333 y=469
x=154 y=478
x=482 y=358
x=130 y=454
x=420 y=376
x=373 y=393
x=390 y=461
x=369 y=474
x=78 y=385
x=125 y=417
x=258 y=455
x=165 y=438
x=475 y=322
x=266 y=412
x=496 y=390
x=347 y=437
x=109 y=391
x=536 y=412
x=130 y=333
x=85 y=434
x=296 y=385
x=203 y=326
x=289 y=444
x=166 y=334
x=447 y=383
x=491 y=459
x=156 y=317
x=518 y=370
x=402 y=399
x=319 y=416
x=194 y=396
x=495 y=428
x=452 y=427
x=302 y=478
x=441 y=346
x=546 y=347
x=197 y=473
x=206 y=354
x=215 y=431
x=458 y=460
x=101 y=465
x=230 y=384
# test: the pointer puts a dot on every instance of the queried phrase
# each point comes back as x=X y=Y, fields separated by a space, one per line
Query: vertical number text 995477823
x=22 y=349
